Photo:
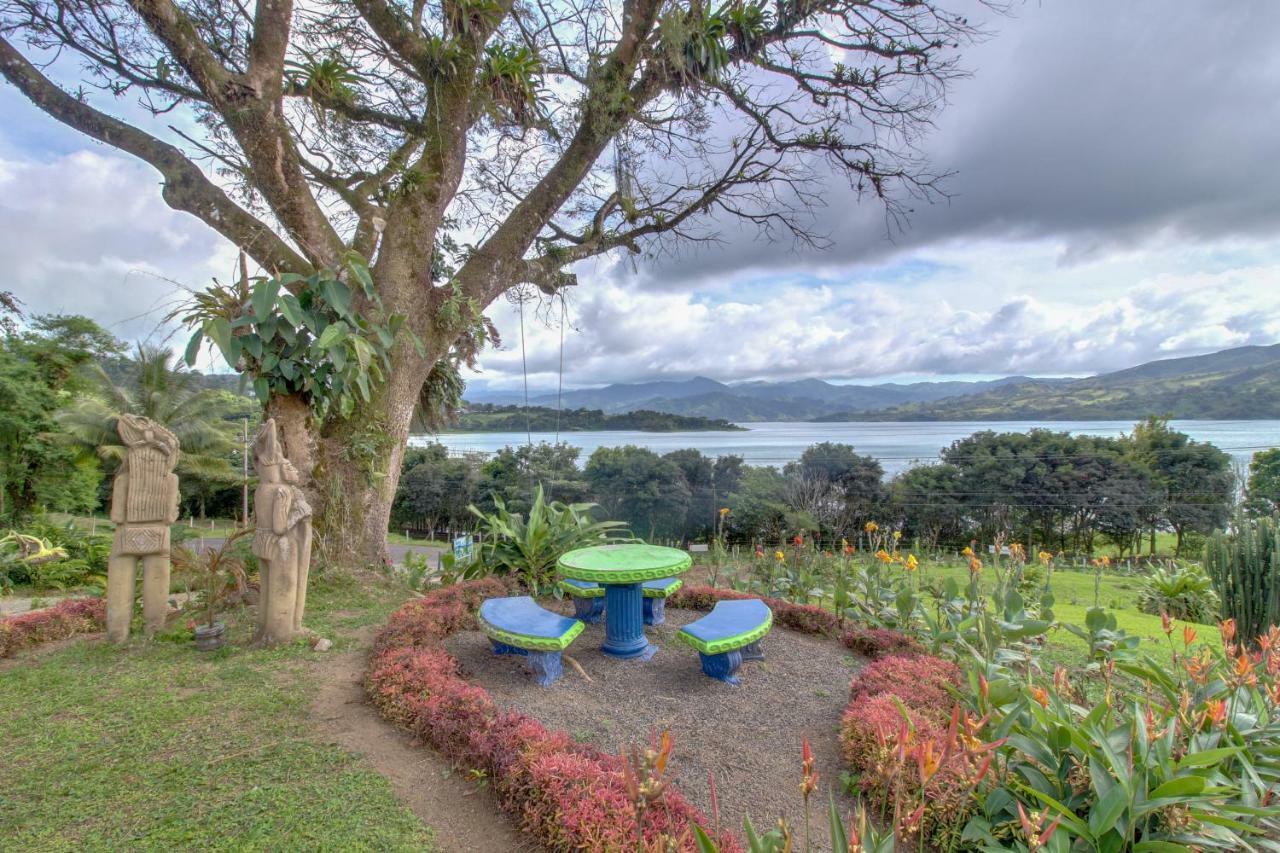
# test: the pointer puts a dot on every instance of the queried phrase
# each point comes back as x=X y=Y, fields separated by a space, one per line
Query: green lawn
x=159 y=747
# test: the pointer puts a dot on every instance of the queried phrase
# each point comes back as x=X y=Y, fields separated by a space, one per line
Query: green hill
x=1235 y=384
x=482 y=417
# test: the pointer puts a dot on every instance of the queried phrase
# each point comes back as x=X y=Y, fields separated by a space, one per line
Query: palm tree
x=158 y=386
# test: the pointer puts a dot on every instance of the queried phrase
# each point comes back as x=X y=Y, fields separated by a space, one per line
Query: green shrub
x=530 y=548
x=1183 y=592
x=1245 y=567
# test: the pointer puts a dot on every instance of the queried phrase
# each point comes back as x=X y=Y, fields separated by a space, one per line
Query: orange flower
x=871 y=527
x=808 y=775
x=1188 y=635
x=1216 y=712
x=1040 y=695
x=1166 y=623
x=884 y=556
x=1228 y=629
x=797 y=540
x=1244 y=670
x=724 y=510
x=975 y=565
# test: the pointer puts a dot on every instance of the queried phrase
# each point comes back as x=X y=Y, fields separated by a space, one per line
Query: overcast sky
x=1116 y=199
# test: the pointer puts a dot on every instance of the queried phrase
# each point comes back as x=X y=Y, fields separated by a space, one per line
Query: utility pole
x=244 y=467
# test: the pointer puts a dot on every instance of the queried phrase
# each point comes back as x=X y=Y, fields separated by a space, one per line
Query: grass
x=158 y=747
x=217 y=528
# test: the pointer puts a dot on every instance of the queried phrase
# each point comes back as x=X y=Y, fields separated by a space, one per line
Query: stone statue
x=144 y=502
x=282 y=542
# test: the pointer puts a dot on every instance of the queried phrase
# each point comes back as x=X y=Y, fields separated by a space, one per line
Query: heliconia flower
x=884 y=556
x=975 y=565
x=1244 y=670
x=1040 y=695
x=808 y=775
x=797 y=540
x=871 y=527
x=1060 y=680
x=779 y=556
x=1228 y=629
x=1216 y=711
x=1166 y=623
x=1188 y=635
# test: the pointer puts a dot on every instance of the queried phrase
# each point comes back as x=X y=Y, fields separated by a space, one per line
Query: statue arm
x=280 y=512
x=119 y=497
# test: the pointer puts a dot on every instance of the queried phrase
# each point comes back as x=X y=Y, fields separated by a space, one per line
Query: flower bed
x=68 y=617
x=568 y=795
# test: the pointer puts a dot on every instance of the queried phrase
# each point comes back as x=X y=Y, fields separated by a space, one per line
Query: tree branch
x=185 y=187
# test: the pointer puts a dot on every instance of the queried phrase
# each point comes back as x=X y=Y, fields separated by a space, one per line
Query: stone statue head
x=143 y=434
x=268 y=455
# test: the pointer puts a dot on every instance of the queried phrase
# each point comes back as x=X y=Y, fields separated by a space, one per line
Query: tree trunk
x=357 y=465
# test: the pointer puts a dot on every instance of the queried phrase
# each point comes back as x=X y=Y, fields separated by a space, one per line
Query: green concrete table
x=622 y=570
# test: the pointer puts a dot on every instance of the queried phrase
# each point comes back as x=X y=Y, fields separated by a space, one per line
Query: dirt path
x=465 y=817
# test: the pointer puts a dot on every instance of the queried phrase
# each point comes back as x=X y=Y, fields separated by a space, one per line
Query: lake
x=896 y=445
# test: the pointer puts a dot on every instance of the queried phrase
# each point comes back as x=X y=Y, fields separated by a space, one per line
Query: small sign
x=463 y=548
x=698 y=548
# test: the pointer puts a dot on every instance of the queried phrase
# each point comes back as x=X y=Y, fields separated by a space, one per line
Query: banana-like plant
x=529 y=548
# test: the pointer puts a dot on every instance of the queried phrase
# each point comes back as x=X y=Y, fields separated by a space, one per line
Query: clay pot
x=210 y=637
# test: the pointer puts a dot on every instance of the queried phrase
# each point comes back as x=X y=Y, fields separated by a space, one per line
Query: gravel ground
x=748 y=736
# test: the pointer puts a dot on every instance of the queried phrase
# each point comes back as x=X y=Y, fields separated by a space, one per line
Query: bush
x=1245 y=568
x=1181 y=592
x=72 y=616
x=569 y=796
x=878 y=642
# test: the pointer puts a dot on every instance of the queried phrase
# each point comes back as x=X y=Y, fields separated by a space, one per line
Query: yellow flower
x=897 y=534
x=967 y=552
x=781 y=557
x=871 y=527
x=724 y=510
x=1045 y=557
x=912 y=564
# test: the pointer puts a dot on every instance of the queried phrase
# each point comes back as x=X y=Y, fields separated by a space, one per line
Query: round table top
x=623 y=563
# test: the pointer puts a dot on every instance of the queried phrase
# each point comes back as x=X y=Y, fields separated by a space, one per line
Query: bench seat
x=728 y=635
x=588 y=598
x=519 y=626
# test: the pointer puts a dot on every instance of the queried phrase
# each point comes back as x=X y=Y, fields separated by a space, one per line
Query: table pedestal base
x=624 y=623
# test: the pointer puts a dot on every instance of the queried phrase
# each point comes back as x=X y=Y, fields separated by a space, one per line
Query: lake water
x=896 y=445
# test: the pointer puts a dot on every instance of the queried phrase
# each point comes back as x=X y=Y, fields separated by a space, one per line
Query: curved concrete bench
x=518 y=626
x=588 y=599
x=728 y=635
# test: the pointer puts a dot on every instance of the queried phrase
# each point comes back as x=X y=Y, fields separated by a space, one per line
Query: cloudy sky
x=1116 y=199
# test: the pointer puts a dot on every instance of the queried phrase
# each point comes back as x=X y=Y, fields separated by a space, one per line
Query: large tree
x=460 y=148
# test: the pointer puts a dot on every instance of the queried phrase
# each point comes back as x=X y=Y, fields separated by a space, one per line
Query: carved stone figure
x=282 y=541
x=144 y=502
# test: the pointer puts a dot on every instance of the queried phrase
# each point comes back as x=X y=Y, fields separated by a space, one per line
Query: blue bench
x=588 y=599
x=518 y=626
x=728 y=635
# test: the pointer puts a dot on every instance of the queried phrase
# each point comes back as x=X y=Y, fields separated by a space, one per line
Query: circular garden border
x=573 y=796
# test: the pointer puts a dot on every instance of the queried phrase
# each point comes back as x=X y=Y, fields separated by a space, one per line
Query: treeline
x=1053 y=489
x=63 y=382
x=485 y=417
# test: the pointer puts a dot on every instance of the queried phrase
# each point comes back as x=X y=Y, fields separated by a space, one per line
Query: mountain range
x=1235 y=384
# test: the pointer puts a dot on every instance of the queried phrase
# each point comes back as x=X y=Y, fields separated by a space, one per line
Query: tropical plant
x=1245 y=567
x=529 y=548
x=1182 y=591
x=217 y=570
x=157 y=386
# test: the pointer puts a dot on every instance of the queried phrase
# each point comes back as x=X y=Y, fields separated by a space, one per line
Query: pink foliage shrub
x=68 y=617
x=569 y=796
x=878 y=642
x=921 y=682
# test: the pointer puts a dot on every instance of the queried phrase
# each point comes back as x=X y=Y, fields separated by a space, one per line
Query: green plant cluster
x=1182 y=591
x=46 y=555
x=528 y=547
x=324 y=336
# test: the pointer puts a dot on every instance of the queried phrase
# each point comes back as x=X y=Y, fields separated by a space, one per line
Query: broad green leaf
x=291 y=308
x=1106 y=812
x=219 y=331
x=1208 y=757
x=332 y=335
x=193 y=347
x=1183 y=786
x=705 y=844
x=839 y=838
x=263 y=297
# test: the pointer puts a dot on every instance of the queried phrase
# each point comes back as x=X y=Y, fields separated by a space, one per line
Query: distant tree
x=436 y=490
x=1262 y=496
x=514 y=473
x=1196 y=478
x=637 y=486
x=843 y=488
x=926 y=504
x=700 y=476
x=38 y=375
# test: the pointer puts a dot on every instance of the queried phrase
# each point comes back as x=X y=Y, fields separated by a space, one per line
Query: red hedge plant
x=67 y=617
